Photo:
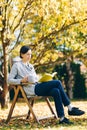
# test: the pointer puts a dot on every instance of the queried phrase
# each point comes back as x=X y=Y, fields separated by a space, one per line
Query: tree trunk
x=3 y=96
x=70 y=81
x=5 y=87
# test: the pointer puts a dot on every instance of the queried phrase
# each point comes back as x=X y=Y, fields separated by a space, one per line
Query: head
x=25 y=53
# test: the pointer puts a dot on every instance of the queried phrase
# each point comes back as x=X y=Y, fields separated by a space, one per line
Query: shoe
x=75 y=112
x=65 y=121
x=75 y=108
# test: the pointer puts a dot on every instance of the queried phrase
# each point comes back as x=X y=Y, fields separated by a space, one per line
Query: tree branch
x=30 y=2
x=60 y=30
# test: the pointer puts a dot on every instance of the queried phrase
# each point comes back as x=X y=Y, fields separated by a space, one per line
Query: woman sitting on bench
x=24 y=72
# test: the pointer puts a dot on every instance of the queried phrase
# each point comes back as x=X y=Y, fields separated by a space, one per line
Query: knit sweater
x=20 y=70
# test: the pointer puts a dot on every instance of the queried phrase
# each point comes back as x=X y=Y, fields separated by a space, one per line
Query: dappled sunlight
x=40 y=108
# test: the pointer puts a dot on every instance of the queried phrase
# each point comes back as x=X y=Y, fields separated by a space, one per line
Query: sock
x=70 y=107
x=61 y=118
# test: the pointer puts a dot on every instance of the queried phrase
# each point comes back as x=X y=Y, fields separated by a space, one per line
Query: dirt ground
x=40 y=109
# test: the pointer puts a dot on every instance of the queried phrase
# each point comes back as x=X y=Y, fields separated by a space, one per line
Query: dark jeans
x=55 y=89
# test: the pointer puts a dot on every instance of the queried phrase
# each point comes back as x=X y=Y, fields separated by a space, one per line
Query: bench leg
x=29 y=105
x=32 y=103
x=51 y=109
x=12 y=106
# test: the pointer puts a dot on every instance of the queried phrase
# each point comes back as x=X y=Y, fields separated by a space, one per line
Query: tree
x=79 y=84
x=44 y=25
x=53 y=24
x=12 y=15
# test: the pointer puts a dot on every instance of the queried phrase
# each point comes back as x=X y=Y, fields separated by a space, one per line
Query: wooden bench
x=30 y=102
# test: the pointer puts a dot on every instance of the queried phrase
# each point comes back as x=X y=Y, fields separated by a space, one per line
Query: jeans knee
x=59 y=82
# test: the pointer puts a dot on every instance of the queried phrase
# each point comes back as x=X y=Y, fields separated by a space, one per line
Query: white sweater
x=20 y=70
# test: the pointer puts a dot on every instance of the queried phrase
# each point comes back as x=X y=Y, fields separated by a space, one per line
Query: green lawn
x=79 y=123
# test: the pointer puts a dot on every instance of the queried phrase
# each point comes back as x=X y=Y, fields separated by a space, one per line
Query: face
x=27 y=56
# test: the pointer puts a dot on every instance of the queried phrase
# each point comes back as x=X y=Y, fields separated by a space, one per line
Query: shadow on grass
x=22 y=124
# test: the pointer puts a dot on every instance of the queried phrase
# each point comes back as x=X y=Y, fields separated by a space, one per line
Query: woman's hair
x=24 y=49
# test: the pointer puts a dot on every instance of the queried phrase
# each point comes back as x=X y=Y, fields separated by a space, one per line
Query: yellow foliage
x=44 y=22
x=15 y=52
x=1 y=24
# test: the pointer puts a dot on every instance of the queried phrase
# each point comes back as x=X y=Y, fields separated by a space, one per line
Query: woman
x=23 y=72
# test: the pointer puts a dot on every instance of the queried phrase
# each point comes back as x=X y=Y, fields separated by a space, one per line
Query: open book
x=47 y=77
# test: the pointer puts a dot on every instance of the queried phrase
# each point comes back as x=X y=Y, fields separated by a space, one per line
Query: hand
x=24 y=80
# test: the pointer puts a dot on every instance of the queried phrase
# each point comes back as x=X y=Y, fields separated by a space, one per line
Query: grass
x=79 y=123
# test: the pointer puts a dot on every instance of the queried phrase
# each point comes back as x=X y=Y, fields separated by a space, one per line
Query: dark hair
x=24 y=49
